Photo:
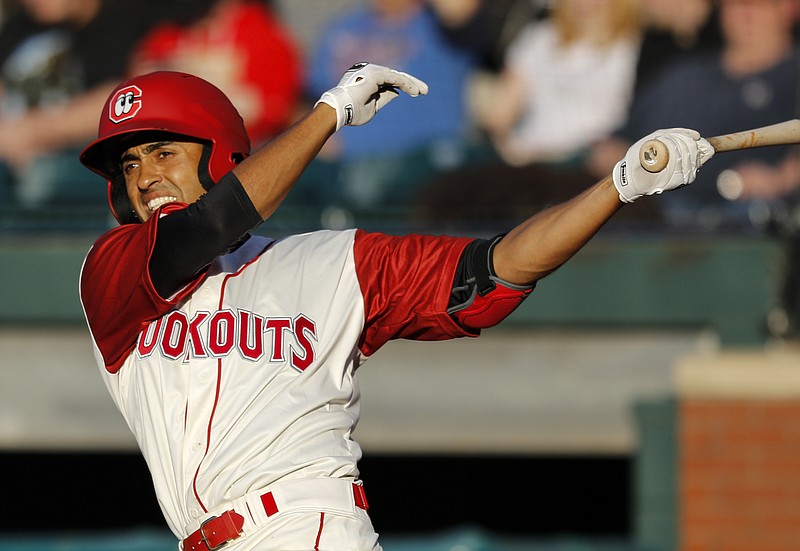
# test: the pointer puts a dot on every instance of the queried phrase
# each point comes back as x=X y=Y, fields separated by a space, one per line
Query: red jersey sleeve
x=118 y=297
x=406 y=284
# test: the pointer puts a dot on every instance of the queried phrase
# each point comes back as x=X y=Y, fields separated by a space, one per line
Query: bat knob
x=653 y=156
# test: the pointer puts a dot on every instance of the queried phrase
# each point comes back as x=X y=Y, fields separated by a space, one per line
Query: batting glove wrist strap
x=687 y=153
x=365 y=89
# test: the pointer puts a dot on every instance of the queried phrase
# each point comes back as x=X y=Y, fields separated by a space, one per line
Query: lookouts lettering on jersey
x=218 y=334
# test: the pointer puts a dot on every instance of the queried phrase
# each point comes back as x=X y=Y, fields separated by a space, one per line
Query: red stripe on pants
x=319 y=533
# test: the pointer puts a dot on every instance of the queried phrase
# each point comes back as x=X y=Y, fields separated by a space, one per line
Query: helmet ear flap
x=120 y=202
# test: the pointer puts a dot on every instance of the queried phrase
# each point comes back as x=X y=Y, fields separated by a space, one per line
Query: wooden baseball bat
x=654 y=156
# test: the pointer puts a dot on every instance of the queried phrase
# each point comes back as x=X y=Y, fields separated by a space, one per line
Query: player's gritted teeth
x=153 y=204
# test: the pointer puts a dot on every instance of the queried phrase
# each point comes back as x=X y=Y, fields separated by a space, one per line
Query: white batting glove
x=687 y=153
x=365 y=89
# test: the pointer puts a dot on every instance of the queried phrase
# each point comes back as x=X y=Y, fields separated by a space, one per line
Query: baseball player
x=232 y=356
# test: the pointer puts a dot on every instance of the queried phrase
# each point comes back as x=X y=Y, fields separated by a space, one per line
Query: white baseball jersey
x=246 y=377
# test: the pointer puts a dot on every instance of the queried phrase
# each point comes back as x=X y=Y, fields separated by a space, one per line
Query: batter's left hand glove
x=365 y=89
x=687 y=153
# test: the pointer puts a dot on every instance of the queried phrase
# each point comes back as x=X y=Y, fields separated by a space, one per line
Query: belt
x=217 y=531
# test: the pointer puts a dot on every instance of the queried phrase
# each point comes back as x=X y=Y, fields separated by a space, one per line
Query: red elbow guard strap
x=493 y=307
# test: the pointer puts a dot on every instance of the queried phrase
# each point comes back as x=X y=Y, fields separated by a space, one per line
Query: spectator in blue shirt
x=376 y=163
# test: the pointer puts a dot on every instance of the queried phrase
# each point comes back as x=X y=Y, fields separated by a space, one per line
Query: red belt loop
x=360 y=497
x=270 y=507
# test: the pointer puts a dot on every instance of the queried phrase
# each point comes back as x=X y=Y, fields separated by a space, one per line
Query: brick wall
x=739 y=456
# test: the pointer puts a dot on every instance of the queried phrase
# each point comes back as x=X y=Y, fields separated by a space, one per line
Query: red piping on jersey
x=219 y=376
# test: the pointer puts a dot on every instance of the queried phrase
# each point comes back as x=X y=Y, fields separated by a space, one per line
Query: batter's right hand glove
x=365 y=89
x=687 y=152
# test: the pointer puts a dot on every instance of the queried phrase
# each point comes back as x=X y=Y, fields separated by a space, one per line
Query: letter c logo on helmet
x=125 y=105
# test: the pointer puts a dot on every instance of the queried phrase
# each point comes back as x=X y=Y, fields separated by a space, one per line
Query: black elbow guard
x=479 y=298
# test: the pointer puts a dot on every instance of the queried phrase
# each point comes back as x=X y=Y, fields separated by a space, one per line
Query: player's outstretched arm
x=270 y=172
x=547 y=240
x=365 y=88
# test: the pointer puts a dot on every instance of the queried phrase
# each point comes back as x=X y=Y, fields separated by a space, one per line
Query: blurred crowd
x=530 y=100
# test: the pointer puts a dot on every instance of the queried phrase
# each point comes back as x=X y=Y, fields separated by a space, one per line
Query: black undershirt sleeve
x=189 y=239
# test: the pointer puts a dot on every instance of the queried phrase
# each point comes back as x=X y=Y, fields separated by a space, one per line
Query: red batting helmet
x=165 y=102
